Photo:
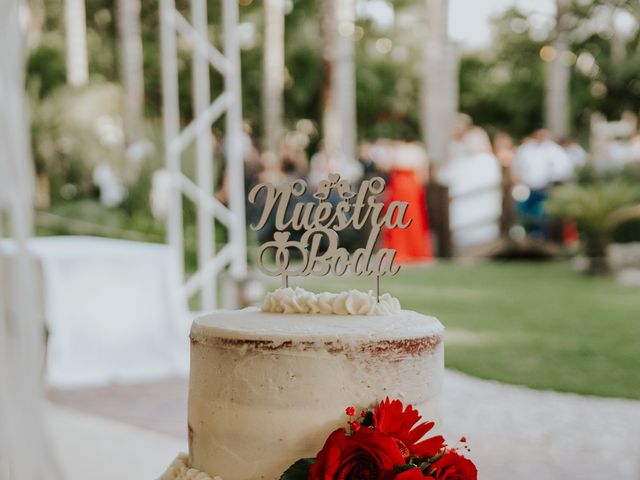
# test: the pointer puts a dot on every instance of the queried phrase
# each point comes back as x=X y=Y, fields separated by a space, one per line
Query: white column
x=75 y=24
x=558 y=77
x=204 y=155
x=235 y=160
x=339 y=116
x=171 y=124
x=273 y=76
x=24 y=448
x=436 y=95
x=451 y=72
x=131 y=67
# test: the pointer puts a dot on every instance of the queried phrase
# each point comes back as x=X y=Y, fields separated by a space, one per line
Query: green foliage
x=299 y=470
x=592 y=205
x=45 y=70
x=89 y=217
x=614 y=181
x=381 y=114
x=599 y=206
x=303 y=93
x=504 y=89
x=303 y=58
x=590 y=175
x=73 y=130
x=488 y=91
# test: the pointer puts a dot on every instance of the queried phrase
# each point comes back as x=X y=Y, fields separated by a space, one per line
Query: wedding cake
x=266 y=384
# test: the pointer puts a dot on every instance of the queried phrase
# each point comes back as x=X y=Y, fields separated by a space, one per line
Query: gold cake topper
x=321 y=222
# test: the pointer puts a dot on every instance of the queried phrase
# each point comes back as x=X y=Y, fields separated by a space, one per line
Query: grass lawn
x=535 y=324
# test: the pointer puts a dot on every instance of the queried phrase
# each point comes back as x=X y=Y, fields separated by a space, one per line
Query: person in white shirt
x=539 y=163
x=577 y=155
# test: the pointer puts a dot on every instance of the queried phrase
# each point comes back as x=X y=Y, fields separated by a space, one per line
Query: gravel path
x=515 y=433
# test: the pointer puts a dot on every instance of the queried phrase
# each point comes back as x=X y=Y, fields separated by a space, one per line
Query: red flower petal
x=391 y=418
x=429 y=447
x=453 y=466
x=366 y=452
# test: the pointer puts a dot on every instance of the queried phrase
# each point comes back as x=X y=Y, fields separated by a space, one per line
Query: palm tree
x=598 y=208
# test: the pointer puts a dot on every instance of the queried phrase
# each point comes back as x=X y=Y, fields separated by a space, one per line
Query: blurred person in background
x=292 y=166
x=462 y=125
x=295 y=155
x=407 y=176
x=474 y=158
x=366 y=158
x=576 y=154
x=634 y=149
x=474 y=180
x=612 y=142
x=323 y=163
x=382 y=153
x=539 y=163
x=504 y=149
x=320 y=165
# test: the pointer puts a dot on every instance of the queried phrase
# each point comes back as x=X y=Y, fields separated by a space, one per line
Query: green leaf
x=424 y=466
x=368 y=419
x=405 y=467
x=299 y=470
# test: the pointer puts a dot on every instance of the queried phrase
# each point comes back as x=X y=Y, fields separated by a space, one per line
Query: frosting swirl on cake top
x=353 y=302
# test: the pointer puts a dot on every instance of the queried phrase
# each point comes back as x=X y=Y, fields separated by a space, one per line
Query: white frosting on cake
x=353 y=302
x=252 y=324
x=180 y=470
x=268 y=388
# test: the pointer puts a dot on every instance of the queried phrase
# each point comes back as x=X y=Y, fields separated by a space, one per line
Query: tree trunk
x=75 y=24
x=131 y=68
x=439 y=82
x=273 y=77
x=596 y=250
x=339 y=115
x=558 y=77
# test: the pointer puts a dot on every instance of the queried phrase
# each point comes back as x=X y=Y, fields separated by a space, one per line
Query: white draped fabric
x=112 y=309
x=475 y=191
x=24 y=449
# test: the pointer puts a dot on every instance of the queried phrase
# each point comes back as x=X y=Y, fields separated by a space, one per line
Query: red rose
x=392 y=418
x=453 y=466
x=365 y=455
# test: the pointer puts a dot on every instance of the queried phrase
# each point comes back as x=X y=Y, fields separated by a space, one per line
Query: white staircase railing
x=177 y=139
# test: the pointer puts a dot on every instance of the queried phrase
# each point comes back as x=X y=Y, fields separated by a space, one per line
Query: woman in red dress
x=407 y=174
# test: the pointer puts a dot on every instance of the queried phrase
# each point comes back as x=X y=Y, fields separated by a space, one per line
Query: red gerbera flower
x=391 y=418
